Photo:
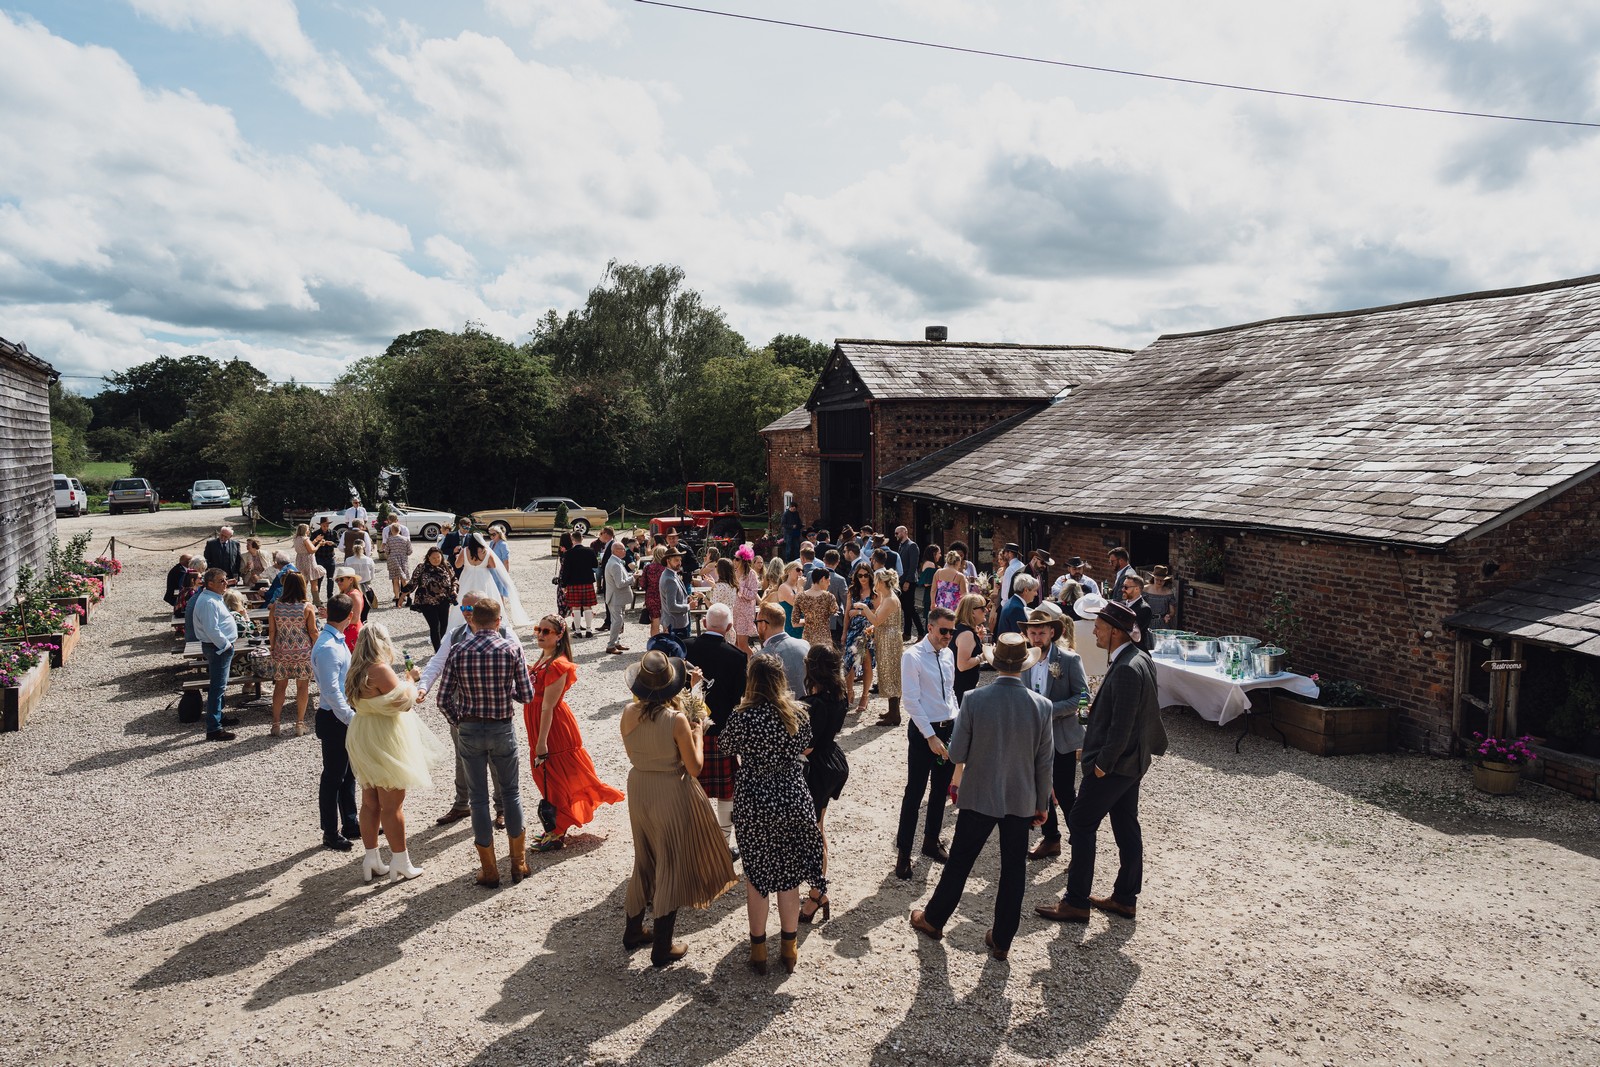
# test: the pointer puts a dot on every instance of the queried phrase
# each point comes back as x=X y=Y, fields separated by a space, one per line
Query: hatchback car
x=133 y=494
x=70 y=496
x=209 y=493
x=539 y=516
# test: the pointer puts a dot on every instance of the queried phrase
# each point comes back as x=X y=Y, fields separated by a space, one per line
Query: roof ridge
x=980 y=344
x=1317 y=316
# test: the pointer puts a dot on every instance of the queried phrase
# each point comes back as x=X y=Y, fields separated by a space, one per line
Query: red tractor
x=710 y=510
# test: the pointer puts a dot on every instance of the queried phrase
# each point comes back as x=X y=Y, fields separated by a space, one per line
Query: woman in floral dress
x=749 y=588
x=291 y=629
x=815 y=609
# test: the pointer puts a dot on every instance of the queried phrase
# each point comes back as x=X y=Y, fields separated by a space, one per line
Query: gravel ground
x=166 y=902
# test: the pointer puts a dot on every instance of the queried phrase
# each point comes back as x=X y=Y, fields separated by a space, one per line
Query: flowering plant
x=103 y=565
x=17 y=660
x=1514 y=750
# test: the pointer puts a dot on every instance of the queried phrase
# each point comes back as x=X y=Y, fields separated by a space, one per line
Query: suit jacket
x=674 y=600
x=175 y=583
x=724 y=666
x=841 y=593
x=1062 y=690
x=1003 y=737
x=619 y=581
x=1012 y=615
x=1125 y=727
x=792 y=651
x=223 y=555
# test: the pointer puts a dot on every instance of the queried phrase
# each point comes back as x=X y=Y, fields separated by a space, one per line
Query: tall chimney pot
x=936 y=333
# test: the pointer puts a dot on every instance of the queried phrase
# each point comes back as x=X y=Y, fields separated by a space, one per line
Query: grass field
x=107 y=470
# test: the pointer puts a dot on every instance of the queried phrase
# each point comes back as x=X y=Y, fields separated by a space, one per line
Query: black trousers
x=1116 y=795
x=1063 y=781
x=336 y=789
x=909 y=619
x=438 y=616
x=972 y=834
x=922 y=771
x=327 y=576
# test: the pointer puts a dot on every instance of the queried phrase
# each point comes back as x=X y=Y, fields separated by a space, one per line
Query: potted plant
x=24 y=680
x=1281 y=625
x=1341 y=720
x=1203 y=558
x=33 y=618
x=1499 y=762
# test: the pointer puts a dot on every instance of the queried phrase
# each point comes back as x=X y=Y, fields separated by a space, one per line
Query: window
x=127 y=484
x=61 y=483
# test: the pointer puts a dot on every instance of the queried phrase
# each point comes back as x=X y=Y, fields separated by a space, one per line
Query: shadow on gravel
x=941 y=1029
x=851 y=927
x=209 y=897
x=1080 y=992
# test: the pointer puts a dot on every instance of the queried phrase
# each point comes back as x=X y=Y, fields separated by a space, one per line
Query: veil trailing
x=492 y=578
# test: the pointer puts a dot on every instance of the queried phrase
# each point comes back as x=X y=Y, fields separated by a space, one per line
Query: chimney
x=936 y=333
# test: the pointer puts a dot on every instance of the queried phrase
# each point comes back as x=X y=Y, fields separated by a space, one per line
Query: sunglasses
x=944 y=631
x=543 y=630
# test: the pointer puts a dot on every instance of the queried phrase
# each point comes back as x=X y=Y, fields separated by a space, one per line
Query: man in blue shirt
x=216 y=631
x=336 y=790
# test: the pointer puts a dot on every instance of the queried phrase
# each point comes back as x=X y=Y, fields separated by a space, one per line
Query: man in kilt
x=723 y=664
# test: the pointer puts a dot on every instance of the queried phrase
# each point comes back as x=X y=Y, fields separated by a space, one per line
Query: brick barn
x=1388 y=469
x=878 y=405
x=27 y=492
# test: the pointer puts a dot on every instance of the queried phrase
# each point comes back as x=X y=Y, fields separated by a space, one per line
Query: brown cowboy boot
x=519 y=858
x=489 y=874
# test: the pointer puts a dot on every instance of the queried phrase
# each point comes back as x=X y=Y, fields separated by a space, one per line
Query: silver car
x=209 y=493
x=132 y=494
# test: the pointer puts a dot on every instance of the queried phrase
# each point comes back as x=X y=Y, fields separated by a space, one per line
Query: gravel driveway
x=165 y=901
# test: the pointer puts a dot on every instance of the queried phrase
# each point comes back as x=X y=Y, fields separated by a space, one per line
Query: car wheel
x=154 y=507
x=504 y=528
x=580 y=527
x=431 y=530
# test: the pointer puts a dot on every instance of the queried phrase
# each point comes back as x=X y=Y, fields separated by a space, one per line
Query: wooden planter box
x=18 y=702
x=65 y=603
x=1325 y=731
x=66 y=644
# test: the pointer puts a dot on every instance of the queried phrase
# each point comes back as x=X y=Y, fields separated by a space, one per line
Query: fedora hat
x=345 y=572
x=1122 y=617
x=1047 y=614
x=1044 y=557
x=1012 y=654
x=657 y=677
x=672 y=553
x=1077 y=563
x=1012 y=547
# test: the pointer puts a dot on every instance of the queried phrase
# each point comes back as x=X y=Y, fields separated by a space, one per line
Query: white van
x=70 y=496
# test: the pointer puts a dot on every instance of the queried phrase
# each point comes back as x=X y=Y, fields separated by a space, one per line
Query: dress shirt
x=1038 y=676
x=1012 y=570
x=401 y=531
x=1089 y=584
x=483 y=678
x=927 y=685
x=213 y=622
x=330 y=659
x=362 y=565
x=435 y=667
x=354 y=515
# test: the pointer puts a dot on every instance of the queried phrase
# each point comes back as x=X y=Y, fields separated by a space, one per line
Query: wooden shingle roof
x=798 y=419
x=1417 y=423
x=1560 y=608
x=932 y=370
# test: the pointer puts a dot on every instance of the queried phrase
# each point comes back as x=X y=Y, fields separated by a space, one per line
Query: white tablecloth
x=1217 y=697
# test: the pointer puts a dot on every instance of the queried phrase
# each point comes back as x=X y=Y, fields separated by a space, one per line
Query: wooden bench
x=250 y=686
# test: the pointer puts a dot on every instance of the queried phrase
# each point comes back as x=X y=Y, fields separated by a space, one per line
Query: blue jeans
x=490 y=748
x=218 y=662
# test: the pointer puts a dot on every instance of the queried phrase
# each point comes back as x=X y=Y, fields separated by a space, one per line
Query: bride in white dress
x=479 y=567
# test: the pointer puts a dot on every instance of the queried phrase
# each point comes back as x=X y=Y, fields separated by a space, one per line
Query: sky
x=297 y=184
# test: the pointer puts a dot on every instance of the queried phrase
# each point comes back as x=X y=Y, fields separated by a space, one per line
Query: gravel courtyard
x=166 y=901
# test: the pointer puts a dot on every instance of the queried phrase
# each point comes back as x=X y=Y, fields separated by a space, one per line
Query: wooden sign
x=1502 y=665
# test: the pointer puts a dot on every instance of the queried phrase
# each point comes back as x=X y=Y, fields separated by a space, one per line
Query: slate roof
x=1416 y=423
x=1560 y=607
x=931 y=370
x=798 y=419
x=18 y=352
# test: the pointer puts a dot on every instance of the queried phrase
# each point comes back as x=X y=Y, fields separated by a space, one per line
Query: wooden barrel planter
x=1500 y=779
x=17 y=702
x=66 y=603
x=1326 y=731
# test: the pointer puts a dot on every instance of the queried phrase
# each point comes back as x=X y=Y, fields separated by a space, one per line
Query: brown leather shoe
x=1114 y=906
x=1047 y=847
x=1062 y=912
x=500 y=820
x=922 y=925
x=997 y=953
x=453 y=815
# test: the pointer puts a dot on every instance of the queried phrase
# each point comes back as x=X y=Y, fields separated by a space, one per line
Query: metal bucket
x=1197 y=649
x=1167 y=641
x=1268 y=660
x=1245 y=643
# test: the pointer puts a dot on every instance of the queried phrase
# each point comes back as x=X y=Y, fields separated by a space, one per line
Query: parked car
x=539 y=516
x=70 y=497
x=133 y=494
x=421 y=522
x=209 y=493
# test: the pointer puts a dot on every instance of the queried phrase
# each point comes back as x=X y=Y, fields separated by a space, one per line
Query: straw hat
x=657 y=677
x=1012 y=654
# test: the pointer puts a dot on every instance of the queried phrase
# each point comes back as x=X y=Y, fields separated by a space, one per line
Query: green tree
x=194 y=446
x=69 y=429
x=734 y=397
x=803 y=354
x=154 y=395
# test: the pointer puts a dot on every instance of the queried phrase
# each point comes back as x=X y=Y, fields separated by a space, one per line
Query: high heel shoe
x=403 y=870
x=789 y=950
x=372 y=865
x=818 y=902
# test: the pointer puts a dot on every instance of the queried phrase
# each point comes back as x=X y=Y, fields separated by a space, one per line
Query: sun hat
x=345 y=572
x=1046 y=614
x=1012 y=654
x=657 y=677
x=1090 y=605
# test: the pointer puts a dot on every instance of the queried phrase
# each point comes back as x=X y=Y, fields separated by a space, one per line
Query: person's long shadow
x=926 y=1033
x=1098 y=962
x=209 y=897
x=215 y=755
x=851 y=927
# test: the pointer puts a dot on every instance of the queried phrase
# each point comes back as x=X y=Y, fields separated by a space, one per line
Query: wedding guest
x=826 y=702
x=967 y=644
x=1133 y=599
x=430 y=677
x=950 y=581
x=652 y=587
x=814 y=610
x=397 y=555
x=619 y=595
x=253 y=565
x=355 y=513
x=793 y=527
x=928 y=672
x=291 y=629
x=562 y=770
x=749 y=587
x=281 y=568
x=483 y=676
x=1003 y=743
x=909 y=556
x=192 y=587
x=779 y=840
x=356 y=535
x=1124 y=732
x=222 y=552
x=1015 y=611
x=502 y=552
x=388 y=748
x=679 y=857
x=1162 y=596
x=857 y=648
x=175 y=581
x=361 y=563
x=1121 y=568
x=787 y=593
x=723 y=664
x=576 y=579
x=1039 y=564
x=1009 y=567
x=432 y=591
x=724 y=587
x=840 y=588
x=1059 y=678
x=1077 y=570
x=348 y=582
x=336 y=788
x=451 y=544
x=967 y=567
x=888 y=646
x=215 y=629
x=323 y=543
x=305 y=561
x=776 y=641
x=675 y=618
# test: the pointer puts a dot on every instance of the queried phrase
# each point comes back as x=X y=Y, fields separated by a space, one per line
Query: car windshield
x=209 y=485
x=128 y=483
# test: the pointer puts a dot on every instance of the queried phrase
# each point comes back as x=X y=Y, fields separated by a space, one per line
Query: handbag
x=189 y=706
x=547 y=810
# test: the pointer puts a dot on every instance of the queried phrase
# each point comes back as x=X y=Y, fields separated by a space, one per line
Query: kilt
x=718 y=770
x=576 y=597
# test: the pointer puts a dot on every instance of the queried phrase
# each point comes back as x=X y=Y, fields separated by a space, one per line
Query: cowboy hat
x=1012 y=654
x=1089 y=605
x=657 y=677
x=1122 y=617
x=1047 y=614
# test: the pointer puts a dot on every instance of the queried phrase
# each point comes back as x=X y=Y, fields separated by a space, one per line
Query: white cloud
x=554 y=21
x=321 y=83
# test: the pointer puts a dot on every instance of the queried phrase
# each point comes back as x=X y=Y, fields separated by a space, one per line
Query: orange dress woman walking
x=562 y=770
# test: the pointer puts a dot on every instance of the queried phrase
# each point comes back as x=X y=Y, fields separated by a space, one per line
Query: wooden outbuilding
x=27 y=491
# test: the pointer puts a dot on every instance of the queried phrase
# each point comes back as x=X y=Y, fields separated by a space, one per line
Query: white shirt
x=352 y=515
x=1011 y=571
x=1039 y=676
x=362 y=565
x=927 y=685
x=397 y=530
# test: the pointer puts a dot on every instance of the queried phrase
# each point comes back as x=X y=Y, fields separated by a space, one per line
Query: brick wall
x=1578 y=775
x=907 y=430
x=793 y=466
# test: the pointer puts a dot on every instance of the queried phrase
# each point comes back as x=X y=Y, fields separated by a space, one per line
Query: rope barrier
x=177 y=548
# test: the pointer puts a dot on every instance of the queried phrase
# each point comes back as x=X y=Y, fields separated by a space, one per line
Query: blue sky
x=297 y=184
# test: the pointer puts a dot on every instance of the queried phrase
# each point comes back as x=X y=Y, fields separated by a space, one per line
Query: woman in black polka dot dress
x=780 y=845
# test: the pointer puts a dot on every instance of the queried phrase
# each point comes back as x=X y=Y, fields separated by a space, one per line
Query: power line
x=1115 y=70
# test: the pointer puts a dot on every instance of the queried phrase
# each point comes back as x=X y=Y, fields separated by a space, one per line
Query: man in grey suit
x=776 y=641
x=674 y=597
x=1003 y=738
x=1125 y=730
x=619 y=594
x=1059 y=678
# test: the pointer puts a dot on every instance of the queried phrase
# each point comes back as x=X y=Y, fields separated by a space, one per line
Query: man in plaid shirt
x=484 y=681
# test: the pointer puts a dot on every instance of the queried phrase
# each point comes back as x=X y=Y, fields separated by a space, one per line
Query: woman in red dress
x=562 y=770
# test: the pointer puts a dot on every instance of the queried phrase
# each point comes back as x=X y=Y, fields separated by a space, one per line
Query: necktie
x=939 y=661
